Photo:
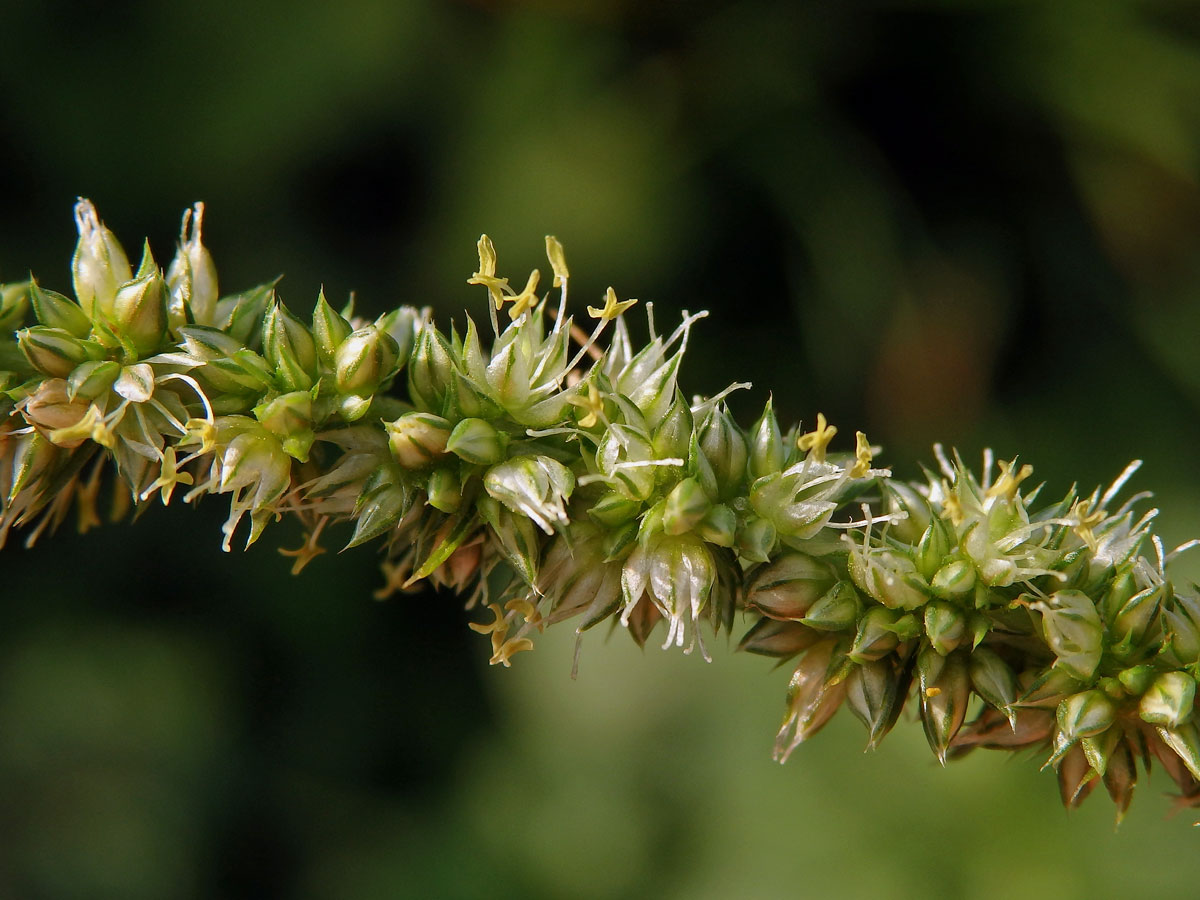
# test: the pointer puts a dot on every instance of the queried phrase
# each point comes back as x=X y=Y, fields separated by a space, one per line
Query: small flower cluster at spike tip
x=551 y=471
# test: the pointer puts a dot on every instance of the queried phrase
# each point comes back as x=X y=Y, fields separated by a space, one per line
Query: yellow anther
x=309 y=550
x=863 y=456
x=85 y=502
x=612 y=307
x=497 y=625
x=952 y=508
x=932 y=691
x=509 y=649
x=525 y=609
x=1006 y=485
x=1086 y=520
x=168 y=477
x=395 y=575
x=91 y=425
x=203 y=430
x=816 y=442
x=593 y=403
x=487 y=257
x=527 y=298
x=558 y=260
x=487 y=272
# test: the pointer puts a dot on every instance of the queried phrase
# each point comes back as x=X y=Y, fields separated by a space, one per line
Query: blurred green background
x=973 y=221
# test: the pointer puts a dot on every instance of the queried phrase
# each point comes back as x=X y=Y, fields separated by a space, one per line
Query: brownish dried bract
x=814 y=695
x=783 y=640
x=642 y=620
x=992 y=730
x=1075 y=778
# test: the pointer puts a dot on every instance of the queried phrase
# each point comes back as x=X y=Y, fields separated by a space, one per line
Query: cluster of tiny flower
x=558 y=473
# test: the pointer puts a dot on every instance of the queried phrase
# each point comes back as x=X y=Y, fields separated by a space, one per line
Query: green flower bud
x=91 y=379
x=135 y=383
x=1184 y=742
x=54 y=351
x=1049 y=689
x=1130 y=623
x=290 y=418
x=1137 y=679
x=621 y=455
x=1181 y=625
x=444 y=490
x=994 y=680
x=902 y=499
x=786 y=587
x=932 y=548
x=945 y=690
x=686 y=506
x=945 y=626
x=431 y=370
x=872 y=691
x=616 y=541
x=329 y=330
x=14 y=303
x=533 y=486
x=1119 y=592
x=719 y=526
x=673 y=437
x=1099 y=750
x=953 y=580
x=891 y=578
x=614 y=509
x=766 y=445
x=417 y=438
x=401 y=326
x=477 y=442
x=139 y=309
x=204 y=343
x=240 y=315
x=1073 y=630
x=724 y=447
x=32 y=459
x=236 y=381
x=876 y=636
x=99 y=266
x=290 y=349
x=364 y=360
x=653 y=392
x=1170 y=700
x=1085 y=714
x=56 y=311
x=836 y=610
x=192 y=275
x=378 y=510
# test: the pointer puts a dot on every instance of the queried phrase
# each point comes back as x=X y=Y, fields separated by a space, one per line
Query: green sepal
x=241 y=315
x=55 y=311
x=329 y=330
x=442 y=552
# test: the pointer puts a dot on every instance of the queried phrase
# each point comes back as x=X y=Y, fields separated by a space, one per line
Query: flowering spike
x=546 y=494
